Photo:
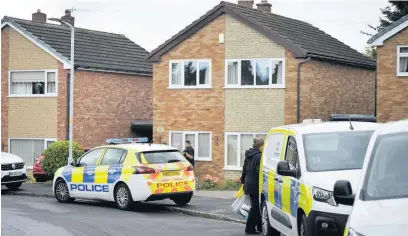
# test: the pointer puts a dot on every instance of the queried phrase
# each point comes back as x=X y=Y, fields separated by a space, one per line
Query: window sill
x=203 y=159
x=34 y=96
x=233 y=168
x=256 y=87
x=402 y=74
x=191 y=87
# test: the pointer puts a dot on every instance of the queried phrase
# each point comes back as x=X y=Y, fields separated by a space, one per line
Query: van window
x=387 y=171
x=291 y=153
x=336 y=150
x=273 y=149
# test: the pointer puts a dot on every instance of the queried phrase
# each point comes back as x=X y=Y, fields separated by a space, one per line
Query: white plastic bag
x=241 y=206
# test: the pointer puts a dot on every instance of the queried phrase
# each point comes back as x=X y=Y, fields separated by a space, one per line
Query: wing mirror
x=284 y=169
x=343 y=193
x=74 y=163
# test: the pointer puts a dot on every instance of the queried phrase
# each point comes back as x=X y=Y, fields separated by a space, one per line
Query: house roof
x=379 y=38
x=301 y=38
x=94 y=50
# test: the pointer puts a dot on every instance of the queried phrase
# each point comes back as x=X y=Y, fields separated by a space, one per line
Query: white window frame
x=399 y=55
x=46 y=71
x=196 y=157
x=282 y=85
x=239 y=135
x=198 y=85
x=44 y=139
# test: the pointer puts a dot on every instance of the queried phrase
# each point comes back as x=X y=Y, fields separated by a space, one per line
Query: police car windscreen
x=387 y=173
x=160 y=157
x=336 y=150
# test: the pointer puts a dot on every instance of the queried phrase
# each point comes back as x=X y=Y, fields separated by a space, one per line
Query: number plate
x=16 y=173
x=170 y=173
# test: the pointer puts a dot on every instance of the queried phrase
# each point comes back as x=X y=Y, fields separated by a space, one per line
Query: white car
x=299 y=167
x=13 y=171
x=381 y=199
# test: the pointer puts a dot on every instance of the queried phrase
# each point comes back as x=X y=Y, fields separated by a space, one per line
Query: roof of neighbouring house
x=389 y=31
x=94 y=50
x=301 y=38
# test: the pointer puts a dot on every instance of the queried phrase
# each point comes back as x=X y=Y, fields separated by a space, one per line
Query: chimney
x=264 y=6
x=68 y=18
x=39 y=17
x=246 y=3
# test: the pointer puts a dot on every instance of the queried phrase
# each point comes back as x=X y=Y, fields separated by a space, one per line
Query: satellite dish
x=160 y=130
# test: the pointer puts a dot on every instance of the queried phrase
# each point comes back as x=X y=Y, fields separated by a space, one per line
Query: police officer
x=188 y=152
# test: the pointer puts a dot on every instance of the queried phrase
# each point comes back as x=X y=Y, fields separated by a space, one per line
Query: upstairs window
x=190 y=74
x=402 y=61
x=37 y=83
x=255 y=73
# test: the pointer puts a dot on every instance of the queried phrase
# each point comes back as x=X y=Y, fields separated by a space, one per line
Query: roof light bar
x=127 y=140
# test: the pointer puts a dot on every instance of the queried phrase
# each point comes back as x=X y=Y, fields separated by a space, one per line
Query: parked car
x=13 y=171
x=38 y=173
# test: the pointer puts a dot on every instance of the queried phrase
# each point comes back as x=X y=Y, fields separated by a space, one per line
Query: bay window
x=200 y=141
x=235 y=146
x=190 y=74
x=33 y=83
x=255 y=73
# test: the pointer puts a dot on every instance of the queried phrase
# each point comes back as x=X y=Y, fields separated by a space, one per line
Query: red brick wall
x=104 y=105
x=194 y=109
x=392 y=90
x=328 y=88
x=4 y=86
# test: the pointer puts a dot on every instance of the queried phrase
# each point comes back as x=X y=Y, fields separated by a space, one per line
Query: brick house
x=392 y=71
x=112 y=95
x=233 y=74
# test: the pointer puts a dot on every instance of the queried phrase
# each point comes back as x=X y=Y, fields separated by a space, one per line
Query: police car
x=381 y=199
x=127 y=172
x=299 y=167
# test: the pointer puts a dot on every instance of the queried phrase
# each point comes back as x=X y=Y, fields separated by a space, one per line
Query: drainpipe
x=375 y=95
x=298 y=90
x=67 y=116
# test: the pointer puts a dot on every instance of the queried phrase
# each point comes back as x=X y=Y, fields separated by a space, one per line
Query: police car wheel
x=182 y=200
x=13 y=186
x=123 y=197
x=61 y=192
x=304 y=228
x=267 y=229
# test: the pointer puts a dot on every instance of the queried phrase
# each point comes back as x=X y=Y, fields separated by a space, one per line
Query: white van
x=381 y=199
x=299 y=167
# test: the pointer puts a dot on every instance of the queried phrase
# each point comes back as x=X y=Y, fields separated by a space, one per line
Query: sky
x=151 y=22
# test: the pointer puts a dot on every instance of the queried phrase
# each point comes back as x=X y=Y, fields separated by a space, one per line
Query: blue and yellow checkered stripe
x=96 y=174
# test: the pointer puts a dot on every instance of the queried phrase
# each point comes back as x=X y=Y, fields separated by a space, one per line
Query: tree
x=56 y=156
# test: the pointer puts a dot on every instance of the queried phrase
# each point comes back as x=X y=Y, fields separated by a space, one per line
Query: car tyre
x=40 y=179
x=182 y=200
x=267 y=229
x=61 y=192
x=123 y=197
x=13 y=186
x=303 y=227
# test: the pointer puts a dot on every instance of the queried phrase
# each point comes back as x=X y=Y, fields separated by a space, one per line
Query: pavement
x=35 y=216
x=207 y=204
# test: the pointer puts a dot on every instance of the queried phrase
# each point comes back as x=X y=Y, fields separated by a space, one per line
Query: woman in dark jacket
x=250 y=179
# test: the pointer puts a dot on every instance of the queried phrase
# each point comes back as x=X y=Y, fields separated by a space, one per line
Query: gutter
x=298 y=90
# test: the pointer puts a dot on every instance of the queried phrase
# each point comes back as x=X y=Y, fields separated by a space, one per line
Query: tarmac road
x=21 y=216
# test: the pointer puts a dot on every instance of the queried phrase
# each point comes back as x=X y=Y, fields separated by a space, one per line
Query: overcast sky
x=150 y=22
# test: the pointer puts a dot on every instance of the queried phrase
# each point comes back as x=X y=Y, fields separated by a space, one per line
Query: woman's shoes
x=251 y=232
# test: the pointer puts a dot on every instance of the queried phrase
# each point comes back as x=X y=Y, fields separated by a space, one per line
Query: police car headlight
x=352 y=232
x=322 y=195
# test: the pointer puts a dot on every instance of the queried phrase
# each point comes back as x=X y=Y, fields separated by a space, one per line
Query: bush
x=232 y=184
x=56 y=156
x=207 y=182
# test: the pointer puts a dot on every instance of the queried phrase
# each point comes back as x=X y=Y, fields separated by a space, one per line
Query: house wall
x=29 y=117
x=392 y=89
x=194 y=109
x=104 y=105
x=328 y=88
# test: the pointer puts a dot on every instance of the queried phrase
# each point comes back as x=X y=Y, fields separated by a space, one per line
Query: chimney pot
x=246 y=3
x=39 y=17
x=68 y=18
x=264 y=6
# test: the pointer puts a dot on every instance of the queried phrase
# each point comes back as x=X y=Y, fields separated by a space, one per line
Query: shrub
x=232 y=184
x=56 y=156
x=207 y=182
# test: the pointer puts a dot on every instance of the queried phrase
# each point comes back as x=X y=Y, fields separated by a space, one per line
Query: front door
x=83 y=175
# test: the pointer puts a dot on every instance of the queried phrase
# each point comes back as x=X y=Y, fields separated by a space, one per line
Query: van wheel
x=61 y=192
x=13 y=186
x=182 y=200
x=304 y=227
x=123 y=197
x=267 y=229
